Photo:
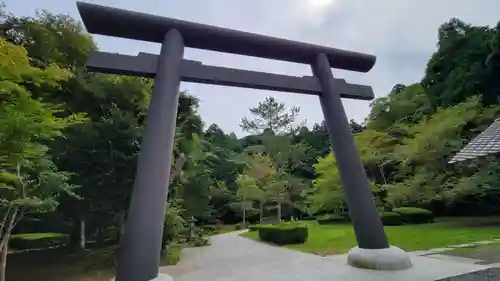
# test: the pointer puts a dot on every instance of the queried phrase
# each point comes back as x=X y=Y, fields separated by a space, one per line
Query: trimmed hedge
x=332 y=219
x=414 y=215
x=283 y=233
x=391 y=218
x=240 y=225
x=253 y=227
x=38 y=240
x=309 y=218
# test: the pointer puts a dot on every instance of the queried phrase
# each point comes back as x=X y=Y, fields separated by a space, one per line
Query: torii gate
x=141 y=246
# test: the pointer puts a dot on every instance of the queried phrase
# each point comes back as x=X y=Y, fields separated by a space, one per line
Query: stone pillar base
x=392 y=258
x=160 y=277
x=163 y=277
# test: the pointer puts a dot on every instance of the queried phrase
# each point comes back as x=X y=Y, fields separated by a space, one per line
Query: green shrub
x=38 y=240
x=253 y=227
x=413 y=215
x=332 y=219
x=309 y=218
x=100 y=258
x=200 y=242
x=387 y=208
x=184 y=232
x=345 y=215
x=173 y=255
x=209 y=229
x=173 y=225
x=391 y=218
x=283 y=233
x=240 y=226
x=213 y=221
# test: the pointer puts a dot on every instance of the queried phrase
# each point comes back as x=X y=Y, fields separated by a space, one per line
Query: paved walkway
x=234 y=258
x=490 y=258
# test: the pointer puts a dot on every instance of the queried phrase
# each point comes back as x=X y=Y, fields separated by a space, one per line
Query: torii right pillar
x=373 y=250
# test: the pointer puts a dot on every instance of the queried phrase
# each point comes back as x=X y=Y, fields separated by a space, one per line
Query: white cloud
x=312 y=13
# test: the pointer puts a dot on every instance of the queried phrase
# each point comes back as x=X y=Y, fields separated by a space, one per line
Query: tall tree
x=432 y=142
x=102 y=153
x=492 y=84
x=29 y=180
x=50 y=38
x=247 y=192
x=326 y=194
x=261 y=171
x=195 y=180
x=455 y=71
x=407 y=107
x=355 y=126
x=271 y=116
x=376 y=151
x=277 y=128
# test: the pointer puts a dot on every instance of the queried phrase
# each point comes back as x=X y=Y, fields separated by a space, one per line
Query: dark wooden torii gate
x=141 y=246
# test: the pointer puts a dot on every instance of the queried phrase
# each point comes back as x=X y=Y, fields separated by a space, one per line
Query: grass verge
x=173 y=256
x=35 y=236
x=62 y=264
x=480 y=252
x=339 y=238
x=219 y=229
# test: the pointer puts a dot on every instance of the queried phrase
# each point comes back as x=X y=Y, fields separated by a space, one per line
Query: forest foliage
x=69 y=140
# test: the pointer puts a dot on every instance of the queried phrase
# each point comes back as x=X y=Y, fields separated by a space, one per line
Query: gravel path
x=234 y=258
x=231 y=255
x=490 y=274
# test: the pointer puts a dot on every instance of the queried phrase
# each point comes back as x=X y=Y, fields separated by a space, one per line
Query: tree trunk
x=261 y=211
x=7 y=226
x=382 y=173
x=99 y=238
x=279 y=211
x=122 y=225
x=3 y=258
x=82 y=240
x=244 y=218
x=179 y=163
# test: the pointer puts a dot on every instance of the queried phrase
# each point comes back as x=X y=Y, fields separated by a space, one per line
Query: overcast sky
x=401 y=33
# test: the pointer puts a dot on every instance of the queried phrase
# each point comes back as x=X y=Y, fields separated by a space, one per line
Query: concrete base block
x=392 y=258
x=160 y=277
x=163 y=277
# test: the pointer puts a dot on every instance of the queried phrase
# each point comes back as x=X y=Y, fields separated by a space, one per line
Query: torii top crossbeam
x=139 y=26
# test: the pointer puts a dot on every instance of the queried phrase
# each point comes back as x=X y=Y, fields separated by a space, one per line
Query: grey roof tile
x=486 y=143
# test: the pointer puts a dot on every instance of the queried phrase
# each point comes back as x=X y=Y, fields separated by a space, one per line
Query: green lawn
x=480 y=252
x=35 y=236
x=62 y=264
x=338 y=239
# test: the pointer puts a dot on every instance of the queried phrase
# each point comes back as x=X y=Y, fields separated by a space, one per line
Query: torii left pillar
x=139 y=257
